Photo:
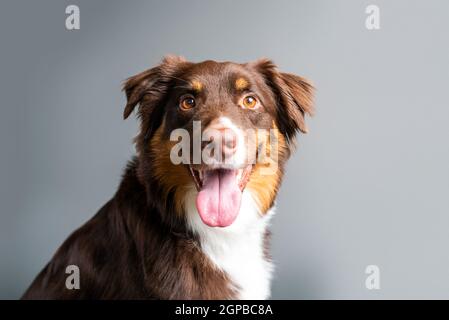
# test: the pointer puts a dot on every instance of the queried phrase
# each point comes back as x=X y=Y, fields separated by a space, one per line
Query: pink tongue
x=218 y=202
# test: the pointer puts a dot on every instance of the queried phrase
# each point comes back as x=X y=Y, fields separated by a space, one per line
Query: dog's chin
x=219 y=193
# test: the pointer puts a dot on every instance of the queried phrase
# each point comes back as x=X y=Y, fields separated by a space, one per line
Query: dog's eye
x=249 y=102
x=187 y=103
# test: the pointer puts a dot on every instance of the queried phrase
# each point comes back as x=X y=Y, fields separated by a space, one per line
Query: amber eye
x=249 y=102
x=187 y=103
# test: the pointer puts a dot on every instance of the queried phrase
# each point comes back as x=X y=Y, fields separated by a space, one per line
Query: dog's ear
x=294 y=96
x=148 y=88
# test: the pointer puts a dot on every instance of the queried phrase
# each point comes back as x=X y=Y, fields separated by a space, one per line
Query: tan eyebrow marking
x=241 y=84
x=197 y=86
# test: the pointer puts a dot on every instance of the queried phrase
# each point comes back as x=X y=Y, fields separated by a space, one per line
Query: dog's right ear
x=148 y=88
x=294 y=96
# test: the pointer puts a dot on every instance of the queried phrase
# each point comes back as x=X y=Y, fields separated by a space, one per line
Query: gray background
x=368 y=185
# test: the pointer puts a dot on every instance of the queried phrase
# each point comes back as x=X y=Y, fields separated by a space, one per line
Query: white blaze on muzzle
x=220 y=191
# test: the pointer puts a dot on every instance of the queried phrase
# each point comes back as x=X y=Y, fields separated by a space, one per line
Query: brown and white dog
x=181 y=227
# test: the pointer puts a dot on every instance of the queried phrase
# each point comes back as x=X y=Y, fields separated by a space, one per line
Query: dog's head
x=219 y=127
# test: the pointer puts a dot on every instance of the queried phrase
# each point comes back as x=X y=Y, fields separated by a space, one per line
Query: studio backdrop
x=363 y=211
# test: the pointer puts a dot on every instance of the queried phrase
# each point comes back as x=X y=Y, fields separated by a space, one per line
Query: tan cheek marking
x=197 y=86
x=172 y=177
x=241 y=84
x=264 y=187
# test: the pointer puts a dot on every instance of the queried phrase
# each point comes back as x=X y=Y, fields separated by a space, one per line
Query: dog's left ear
x=294 y=96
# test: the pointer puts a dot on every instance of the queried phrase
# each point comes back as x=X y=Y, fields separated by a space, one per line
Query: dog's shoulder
x=100 y=250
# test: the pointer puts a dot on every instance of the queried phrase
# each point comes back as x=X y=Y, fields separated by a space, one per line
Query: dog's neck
x=238 y=250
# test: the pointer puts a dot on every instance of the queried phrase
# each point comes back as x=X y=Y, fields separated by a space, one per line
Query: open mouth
x=219 y=194
x=241 y=175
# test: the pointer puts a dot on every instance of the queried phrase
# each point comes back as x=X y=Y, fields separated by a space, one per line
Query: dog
x=181 y=227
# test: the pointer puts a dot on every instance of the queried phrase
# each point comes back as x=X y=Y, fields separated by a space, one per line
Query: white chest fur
x=238 y=249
